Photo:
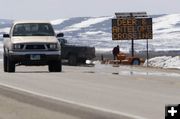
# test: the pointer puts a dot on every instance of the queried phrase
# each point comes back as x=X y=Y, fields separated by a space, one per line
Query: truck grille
x=35 y=47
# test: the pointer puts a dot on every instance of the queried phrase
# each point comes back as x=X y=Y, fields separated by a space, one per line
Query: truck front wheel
x=9 y=65
x=5 y=62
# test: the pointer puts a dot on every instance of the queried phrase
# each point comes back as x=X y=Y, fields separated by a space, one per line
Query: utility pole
x=147 y=52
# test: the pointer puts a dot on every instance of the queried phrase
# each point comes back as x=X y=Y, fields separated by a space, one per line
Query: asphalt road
x=95 y=92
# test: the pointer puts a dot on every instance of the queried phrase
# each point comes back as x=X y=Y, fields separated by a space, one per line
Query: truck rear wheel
x=55 y=66
x=72 y=60
x=136 y=61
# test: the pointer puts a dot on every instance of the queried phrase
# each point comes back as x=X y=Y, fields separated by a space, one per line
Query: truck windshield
x=33 y=29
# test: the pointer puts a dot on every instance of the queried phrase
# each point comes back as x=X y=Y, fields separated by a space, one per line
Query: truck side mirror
x=6 y=36
x=60 y=35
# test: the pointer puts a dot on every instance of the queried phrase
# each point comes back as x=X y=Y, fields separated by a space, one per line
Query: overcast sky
x=54 y=9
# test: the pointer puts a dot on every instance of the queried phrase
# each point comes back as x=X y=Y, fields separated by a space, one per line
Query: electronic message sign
x=131 y=28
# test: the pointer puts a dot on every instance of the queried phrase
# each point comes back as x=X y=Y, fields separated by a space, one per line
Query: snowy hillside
x=96 y=31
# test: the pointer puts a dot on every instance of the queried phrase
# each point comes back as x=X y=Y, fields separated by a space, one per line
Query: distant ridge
x=96 y=31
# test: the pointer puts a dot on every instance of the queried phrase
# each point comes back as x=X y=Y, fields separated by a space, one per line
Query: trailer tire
x=136 y=61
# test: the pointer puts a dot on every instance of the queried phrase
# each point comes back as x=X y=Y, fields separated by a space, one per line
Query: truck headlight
x=17 y=46
x=52 y=46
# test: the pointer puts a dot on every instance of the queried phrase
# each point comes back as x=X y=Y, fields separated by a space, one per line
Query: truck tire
x=136 y=61
x=55 y=66
x=72 y=60
x=5 y=62
x=10 y=65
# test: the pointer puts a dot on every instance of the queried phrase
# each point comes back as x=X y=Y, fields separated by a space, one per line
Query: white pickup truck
x=32 y=43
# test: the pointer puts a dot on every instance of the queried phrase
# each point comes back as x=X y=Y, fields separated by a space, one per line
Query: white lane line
x=73 y=102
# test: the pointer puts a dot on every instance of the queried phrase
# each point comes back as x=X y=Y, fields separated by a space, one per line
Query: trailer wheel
x=136 y=61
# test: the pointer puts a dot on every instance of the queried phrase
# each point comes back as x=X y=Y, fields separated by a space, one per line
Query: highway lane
x=16 y=109
x=130 y=91
x=15 y=104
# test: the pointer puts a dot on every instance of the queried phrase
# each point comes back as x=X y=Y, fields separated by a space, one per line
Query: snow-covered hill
x=164 y=62
x=96 y=31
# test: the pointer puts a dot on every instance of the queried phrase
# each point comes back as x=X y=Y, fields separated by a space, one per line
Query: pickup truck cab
x=32 y=43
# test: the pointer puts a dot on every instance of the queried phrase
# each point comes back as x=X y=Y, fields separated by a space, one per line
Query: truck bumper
x=35 y=58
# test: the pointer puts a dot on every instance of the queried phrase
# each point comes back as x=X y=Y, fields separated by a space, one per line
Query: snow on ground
x=167 y=26
x=164 y=62
x=93 y=33
x=86 y=23
x=5 y=30
x=58 y=21
x=166 y=23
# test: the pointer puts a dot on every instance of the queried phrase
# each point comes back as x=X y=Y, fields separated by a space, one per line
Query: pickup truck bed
x=76 y=54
